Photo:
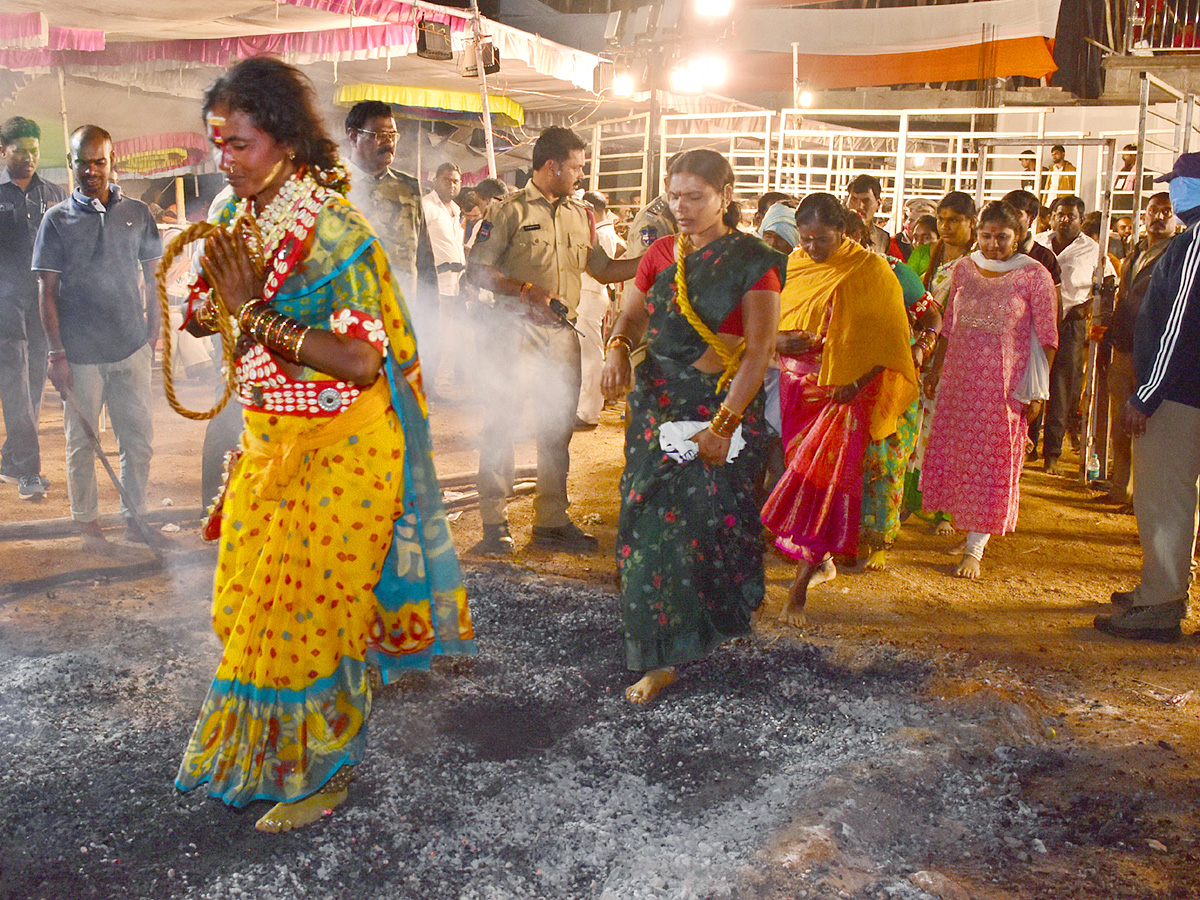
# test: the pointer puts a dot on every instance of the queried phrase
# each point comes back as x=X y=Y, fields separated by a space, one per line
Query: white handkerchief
x=675 y=438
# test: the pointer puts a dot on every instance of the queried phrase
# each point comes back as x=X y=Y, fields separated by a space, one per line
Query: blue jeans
x=124 y=387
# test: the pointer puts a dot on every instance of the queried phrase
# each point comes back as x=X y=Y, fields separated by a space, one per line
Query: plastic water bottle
x=1093 y=463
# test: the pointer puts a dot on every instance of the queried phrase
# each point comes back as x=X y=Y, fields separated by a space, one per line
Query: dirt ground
x=1106 y=730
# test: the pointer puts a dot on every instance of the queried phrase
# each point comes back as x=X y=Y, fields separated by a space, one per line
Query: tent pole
x=62 y=108
x=180 y=200
x=483 y=92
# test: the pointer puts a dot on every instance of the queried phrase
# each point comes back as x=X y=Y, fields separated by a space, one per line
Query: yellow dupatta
x=868 y=326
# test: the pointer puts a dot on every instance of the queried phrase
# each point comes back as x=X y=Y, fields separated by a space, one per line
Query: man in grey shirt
x=100 y=325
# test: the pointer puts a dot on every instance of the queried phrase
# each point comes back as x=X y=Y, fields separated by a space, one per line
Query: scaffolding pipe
x=62 y=108
x=483 y=91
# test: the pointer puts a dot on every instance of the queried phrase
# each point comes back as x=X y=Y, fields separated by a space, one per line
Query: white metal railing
x=1162 y=26
x=1164 y=132
x=742 y=137
x=914 y=154
x=619 y=151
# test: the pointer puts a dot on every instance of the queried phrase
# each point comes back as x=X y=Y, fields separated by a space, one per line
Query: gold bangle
x=206 y=314
x=729 y=413
x=725 y=422
x=300 y=345
x=620 y=340
x=524 y=287
x=249 y=310
x=722 y=429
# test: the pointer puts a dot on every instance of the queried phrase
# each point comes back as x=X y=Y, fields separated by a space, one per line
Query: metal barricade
x=922 y=154
x=1163 y=26
x=743 y=137
x=619 y=149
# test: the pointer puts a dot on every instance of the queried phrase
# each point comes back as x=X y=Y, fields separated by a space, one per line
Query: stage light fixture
x=710 y=71
x=433 y=40
x=713 y=9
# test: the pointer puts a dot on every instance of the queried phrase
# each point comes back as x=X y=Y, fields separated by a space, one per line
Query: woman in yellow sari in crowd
x=846 y=375
x=336 y=569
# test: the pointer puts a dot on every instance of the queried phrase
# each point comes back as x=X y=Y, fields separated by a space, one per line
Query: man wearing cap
x=1163 y=415
x=1028 y=161
x=24 y=198
x=530 y=252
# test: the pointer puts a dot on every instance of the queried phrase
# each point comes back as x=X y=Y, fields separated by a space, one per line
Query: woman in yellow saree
x=336 y=569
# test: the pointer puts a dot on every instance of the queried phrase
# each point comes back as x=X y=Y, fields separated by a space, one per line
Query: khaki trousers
x=538 y=364
x=1121 y=384
x=1167 y=472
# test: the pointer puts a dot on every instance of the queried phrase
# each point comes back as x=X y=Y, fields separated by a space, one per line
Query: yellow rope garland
x=246 y=227
x=731 y=357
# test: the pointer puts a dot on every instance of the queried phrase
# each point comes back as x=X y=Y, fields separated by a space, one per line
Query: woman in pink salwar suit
x=1001 y=305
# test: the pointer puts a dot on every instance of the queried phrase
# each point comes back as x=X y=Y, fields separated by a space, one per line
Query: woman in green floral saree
x=689 y=549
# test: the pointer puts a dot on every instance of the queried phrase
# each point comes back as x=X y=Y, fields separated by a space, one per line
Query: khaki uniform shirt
x=652 y=222
x=527 y=238
x=391 y=202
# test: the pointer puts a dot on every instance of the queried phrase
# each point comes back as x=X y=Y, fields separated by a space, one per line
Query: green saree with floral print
x=689 y=548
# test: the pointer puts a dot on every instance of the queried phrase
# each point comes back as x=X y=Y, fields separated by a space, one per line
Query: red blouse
x=662 y=254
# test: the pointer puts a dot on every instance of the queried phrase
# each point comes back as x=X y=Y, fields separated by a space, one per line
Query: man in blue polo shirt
x=24 y=198
x=99 y=323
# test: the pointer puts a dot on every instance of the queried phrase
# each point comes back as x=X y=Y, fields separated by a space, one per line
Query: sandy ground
x=921 y=737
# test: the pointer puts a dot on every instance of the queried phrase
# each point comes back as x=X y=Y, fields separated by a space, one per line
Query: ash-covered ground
x=770 y=770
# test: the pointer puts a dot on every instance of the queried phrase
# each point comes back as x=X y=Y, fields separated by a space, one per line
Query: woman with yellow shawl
x=846 y=375
x=336 y=570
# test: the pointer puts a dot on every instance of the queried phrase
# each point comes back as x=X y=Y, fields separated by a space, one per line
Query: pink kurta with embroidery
x=972 y=467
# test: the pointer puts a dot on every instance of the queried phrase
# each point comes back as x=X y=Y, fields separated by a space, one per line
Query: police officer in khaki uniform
x=654 y=220
x=530 y=252
x=391 y=201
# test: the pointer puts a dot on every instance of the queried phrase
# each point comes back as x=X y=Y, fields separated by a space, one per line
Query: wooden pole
x=62 y=104
x=483 y=92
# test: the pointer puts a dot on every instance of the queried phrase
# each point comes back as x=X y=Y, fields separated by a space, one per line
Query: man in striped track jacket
x=1163 y=414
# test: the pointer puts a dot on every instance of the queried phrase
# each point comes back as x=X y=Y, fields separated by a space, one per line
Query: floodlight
x=806 y=99
x=711 y=71
x=684 y=82
x=918 y=160
x=622 y=85
x=713 y=9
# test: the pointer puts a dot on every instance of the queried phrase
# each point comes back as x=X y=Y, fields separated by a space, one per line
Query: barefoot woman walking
x=845 y=377
x=1001 y=304
x=689 y=552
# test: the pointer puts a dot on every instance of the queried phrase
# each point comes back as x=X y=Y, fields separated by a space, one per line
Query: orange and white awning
x=846 y=48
